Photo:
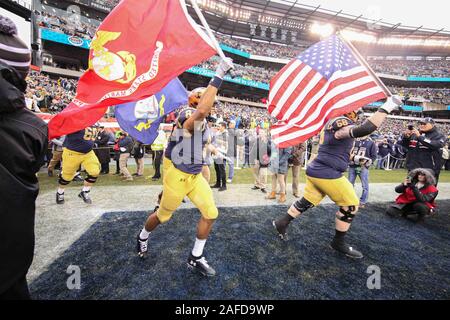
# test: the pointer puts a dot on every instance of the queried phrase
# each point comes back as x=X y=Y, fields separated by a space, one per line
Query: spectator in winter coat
x=125 y=147
x=384 y=149
x=23 y=141
x=278 y=167
x=424 y=147
x=261 y=152
x=417 y=195
x=364 y=154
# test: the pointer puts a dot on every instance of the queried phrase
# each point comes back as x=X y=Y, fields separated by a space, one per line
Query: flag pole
x=362 y=61
x=208 y=29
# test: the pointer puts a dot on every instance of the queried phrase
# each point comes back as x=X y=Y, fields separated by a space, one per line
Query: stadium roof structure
x=235 y=17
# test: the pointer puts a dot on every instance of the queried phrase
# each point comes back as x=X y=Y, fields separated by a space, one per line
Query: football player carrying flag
x=137 y=50
x=183 y=175
x=324 y=176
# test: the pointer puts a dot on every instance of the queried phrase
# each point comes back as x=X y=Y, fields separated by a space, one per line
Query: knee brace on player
x=347 y=214
x=63 y=182
x=90 y=179
x=302 y=205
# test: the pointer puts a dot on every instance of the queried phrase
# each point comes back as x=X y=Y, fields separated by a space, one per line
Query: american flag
x=323 y=82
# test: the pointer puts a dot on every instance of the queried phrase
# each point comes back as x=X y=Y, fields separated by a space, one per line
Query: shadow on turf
x=252 y=263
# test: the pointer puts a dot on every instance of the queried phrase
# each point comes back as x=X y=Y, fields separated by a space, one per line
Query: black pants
x=117 y=157
x=417 y=208
x=221 y=175
x=447 y=165
x=247 y=160
x=157 y=156
x=105 y=167
x=18 y=291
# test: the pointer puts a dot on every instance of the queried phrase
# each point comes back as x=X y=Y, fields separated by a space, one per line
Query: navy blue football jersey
x=334 y=155
x=81 y=141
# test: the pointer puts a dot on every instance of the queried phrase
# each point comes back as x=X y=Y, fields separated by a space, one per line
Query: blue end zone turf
x=252 y=263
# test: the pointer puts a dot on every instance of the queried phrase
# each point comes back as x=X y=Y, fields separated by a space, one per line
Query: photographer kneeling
x=417 y=195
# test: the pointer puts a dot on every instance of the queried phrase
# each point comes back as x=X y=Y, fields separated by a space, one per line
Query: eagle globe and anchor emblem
x=115 y=66
x=121 y=67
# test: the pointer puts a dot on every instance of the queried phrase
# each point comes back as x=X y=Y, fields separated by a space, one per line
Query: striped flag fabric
x=323 y=82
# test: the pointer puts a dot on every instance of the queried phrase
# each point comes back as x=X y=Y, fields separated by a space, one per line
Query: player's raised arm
x=372 y=123
x=209 y=96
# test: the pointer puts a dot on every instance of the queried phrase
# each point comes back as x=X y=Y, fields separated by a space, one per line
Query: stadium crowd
x=49 y=95
x=247 y=72
x=418 y=68
x=422 y=68
x=45 y=94
x=436 y=95
x=61 y=24
x=260 y=48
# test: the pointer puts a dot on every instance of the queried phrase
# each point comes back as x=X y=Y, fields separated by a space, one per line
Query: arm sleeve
x=373 y=152
x=424 y=197
x=57 y=142
x=400 y=188
x=362 y=130
x=435 y=144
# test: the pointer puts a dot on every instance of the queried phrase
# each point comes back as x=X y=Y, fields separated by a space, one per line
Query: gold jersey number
x=90 y=134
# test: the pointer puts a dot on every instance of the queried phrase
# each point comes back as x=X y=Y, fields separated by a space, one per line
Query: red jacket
x=427 y=194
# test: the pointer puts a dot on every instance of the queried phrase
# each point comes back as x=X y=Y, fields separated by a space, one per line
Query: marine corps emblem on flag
x=129 y=62
x=120 y=66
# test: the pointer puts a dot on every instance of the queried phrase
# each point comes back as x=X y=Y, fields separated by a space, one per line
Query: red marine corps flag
x=140 y=46
x=327 y=80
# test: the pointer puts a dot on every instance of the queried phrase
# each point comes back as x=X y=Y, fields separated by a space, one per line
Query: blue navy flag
x=141 y=119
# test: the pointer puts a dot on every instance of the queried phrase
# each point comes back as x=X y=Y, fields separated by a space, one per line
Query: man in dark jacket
x=261 y=152
x=25 y=138
x=102 y=149
x=232 y=149
x=296 y=161
x=366 y=149
x=424 y=147
x=384 y=149
x=246 y=149
x=125 y=147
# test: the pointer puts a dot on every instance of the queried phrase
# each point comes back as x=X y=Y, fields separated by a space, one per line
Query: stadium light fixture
x=414 y=42
x=358 y=36
x=323 y=30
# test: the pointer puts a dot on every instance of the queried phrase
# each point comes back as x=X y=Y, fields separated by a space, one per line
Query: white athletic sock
x=60 y=190
x=144 y=234
x=198 y=247
x=86 y=189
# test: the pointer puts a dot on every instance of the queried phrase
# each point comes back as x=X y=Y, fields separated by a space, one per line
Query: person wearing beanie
x=13 y=51
x=25 y=137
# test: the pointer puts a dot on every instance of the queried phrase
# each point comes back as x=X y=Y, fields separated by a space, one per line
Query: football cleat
x=342 y=247
x=141 y=247
x=85 y=196
x=281 y=231
x=59 y=198
x=200 y=265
